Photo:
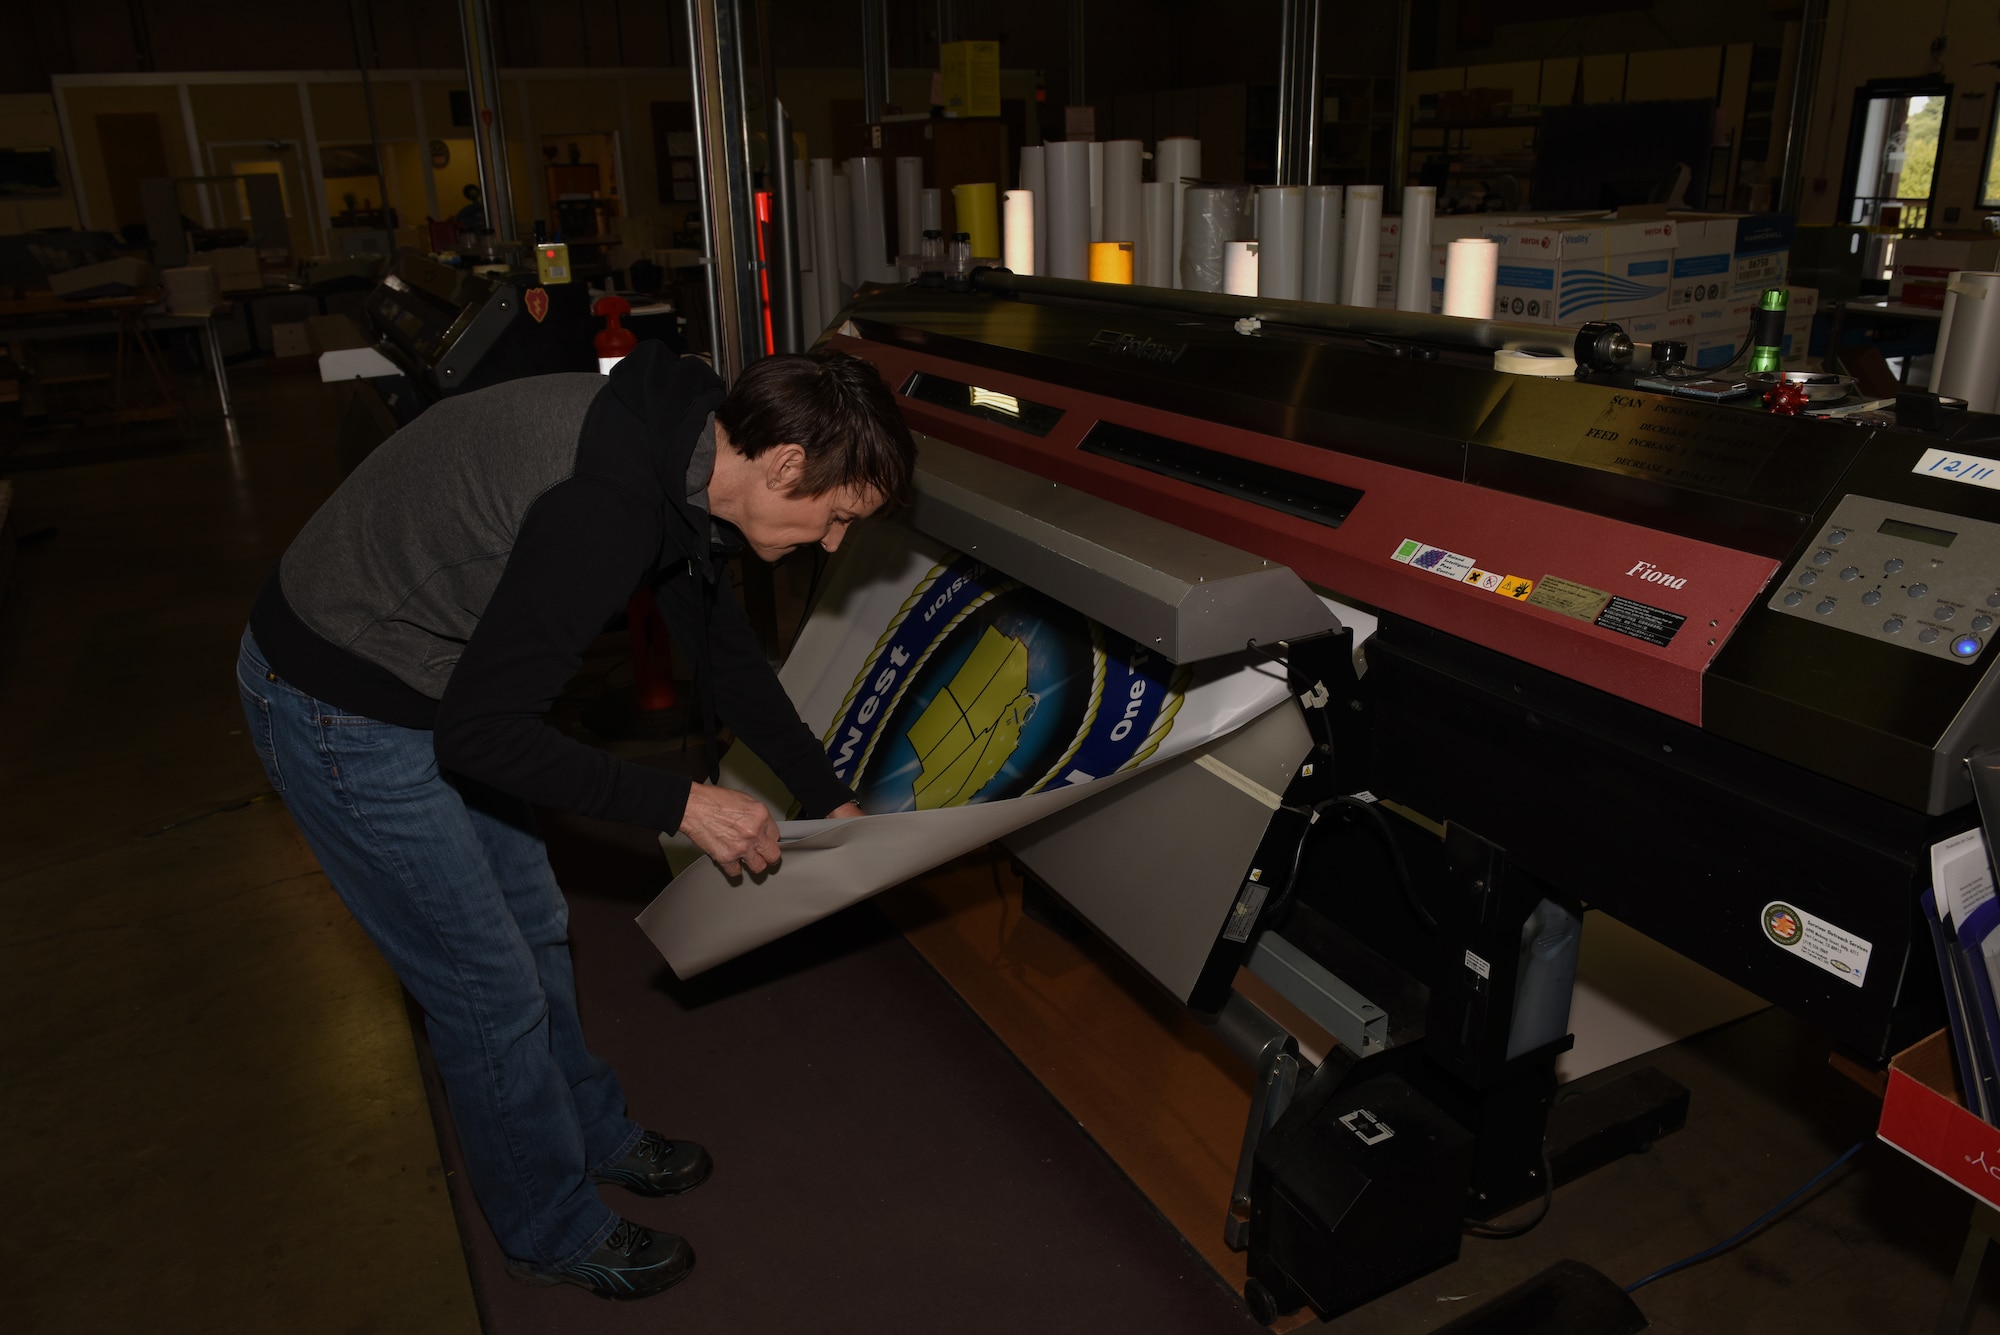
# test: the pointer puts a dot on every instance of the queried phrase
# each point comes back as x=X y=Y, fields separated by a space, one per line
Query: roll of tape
x=1547 y=362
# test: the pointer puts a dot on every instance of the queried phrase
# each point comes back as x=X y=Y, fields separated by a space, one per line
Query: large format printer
x=1713 y=671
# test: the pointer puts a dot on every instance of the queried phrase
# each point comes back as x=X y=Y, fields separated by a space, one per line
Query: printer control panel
x=1921 y=579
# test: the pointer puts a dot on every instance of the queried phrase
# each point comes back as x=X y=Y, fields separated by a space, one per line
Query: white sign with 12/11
x=1960 y=468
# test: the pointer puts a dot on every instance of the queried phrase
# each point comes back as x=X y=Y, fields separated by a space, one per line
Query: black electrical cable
x=1388 y=837
x=1754 y=1226
x=1481 y=1229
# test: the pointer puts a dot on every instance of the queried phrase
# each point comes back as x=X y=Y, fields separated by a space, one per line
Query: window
x=1892 y=153
x=1989 y=180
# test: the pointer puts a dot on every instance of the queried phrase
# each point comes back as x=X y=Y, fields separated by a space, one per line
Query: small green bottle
x=1767 y=331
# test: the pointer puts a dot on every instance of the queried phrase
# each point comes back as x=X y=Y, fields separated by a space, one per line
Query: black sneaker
x=657 y=1166
x=634 y=1262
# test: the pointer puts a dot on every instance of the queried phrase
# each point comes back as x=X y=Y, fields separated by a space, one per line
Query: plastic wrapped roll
x=871 y=231
x=826 y=240
x=1281 y=225
x=909 y=205
x=1471 y=270
x=1413 y=261
x=1968 y=347
x=1096 y=191
x=843 y=231
x=1156 y=256
x=1069 y=210
x=1111 y=262
x=1240 y=268
x=1319 y=272
x=1361 y=246
x=1177 y=162
x=977 y=207
x=1035 y=180
x=933 y=210
x=1212 y=216
x=1124 y=213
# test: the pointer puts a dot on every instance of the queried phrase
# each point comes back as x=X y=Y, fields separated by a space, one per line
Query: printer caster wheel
x=1263 y=1304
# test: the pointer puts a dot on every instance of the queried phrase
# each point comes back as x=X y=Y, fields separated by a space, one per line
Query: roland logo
x=1652 y=574
x=1132 y=345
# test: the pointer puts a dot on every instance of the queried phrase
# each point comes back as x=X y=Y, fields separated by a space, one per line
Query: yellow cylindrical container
x=978 y=208
x=1111 y=262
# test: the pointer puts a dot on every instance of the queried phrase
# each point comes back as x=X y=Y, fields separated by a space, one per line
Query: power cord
x=1387 y=835
x=1753 y=1227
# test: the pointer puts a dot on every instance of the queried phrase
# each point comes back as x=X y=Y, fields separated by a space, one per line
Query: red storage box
x=1924 y=1116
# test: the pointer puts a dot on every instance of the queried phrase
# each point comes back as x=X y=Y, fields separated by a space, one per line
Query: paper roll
x=1111 y=262
x=1069 y=209
x=1471 y=269
x=843 y=231
x=978 y=212
x=1319 y=270
x=1968 y=349
x=1019 y=254
x=933 y=210
x=1281 y=224
x=1124 y=212
x=826 y=240
x=1156 y=256
x=1413 y=261
x=1361 y=246
x=1096 y=191
x=1177 y=162
x=1213 y=216
x=871 y=231
x=909 y=205
x=1239 y=268
x=1035 y=180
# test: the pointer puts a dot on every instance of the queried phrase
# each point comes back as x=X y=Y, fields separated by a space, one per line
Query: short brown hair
x=834 y=406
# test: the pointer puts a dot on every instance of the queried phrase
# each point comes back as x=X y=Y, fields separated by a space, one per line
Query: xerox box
x=1567 y=273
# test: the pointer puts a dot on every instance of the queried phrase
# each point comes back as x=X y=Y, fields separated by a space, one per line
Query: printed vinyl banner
x=960 y=706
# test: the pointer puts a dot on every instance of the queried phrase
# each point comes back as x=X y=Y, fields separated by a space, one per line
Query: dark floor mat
x=882 y=1163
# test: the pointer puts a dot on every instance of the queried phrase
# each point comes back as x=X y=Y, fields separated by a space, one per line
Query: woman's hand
x=846 y=811
x=733 y=828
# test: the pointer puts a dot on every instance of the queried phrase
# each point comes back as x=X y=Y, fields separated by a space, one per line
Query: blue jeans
x=452 y=883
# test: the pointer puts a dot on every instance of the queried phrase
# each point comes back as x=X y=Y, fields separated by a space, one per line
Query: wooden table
x=37 y=316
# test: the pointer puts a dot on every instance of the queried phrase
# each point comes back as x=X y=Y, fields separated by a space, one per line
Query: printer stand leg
x=1980 y=1234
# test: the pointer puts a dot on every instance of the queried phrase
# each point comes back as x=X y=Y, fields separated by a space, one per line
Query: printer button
x=1945 y=611
x=1822 y=557
x=1892 y=625
x=1852 y=572
x=1892 y=566
x=1809 y=577
x=1872 y=597
x=1982 y=622
x=1793 y=597
x=1929 y=634
x=1919 y=589
x=1835 y=538
x=1824 y=607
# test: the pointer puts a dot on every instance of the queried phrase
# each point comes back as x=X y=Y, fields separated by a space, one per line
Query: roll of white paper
x=1413 y=261
x=1035 y=180
x=1069 y=209
x=871 y=232
x=933 y=219
x=843 y=232
x=1319 y=274
x=1124 y=169
x=1213 y=216
x=1968 y=348
x=1177 y=161
x=1240 y=268
x=1018 y=223
x=1361 y=246
x=909 y=205
x=811 y=318
x=1096 y=192
x=1156 y=257
x=1471 y=268
x=1281 y=223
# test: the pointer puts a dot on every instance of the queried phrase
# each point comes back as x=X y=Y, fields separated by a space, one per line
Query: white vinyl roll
x=1156 y=257
x=1968 y=348
x=1035 y=180
x=933 y=211
x=1096 y=192
x=1471 y=270
x=871 y=232
x=1017 y=223
x=1361 y=246
x=1177 y=162
x=1549 y=363
x=843 y=232
x=1213 y=216
x=1069 y=209
x=1281 y=223
x=1124 y=169
x=1413 y=261
x=909 y=205
x=1240 y=268
x=1319 y=273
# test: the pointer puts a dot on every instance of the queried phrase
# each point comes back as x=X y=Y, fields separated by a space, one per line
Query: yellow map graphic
x=973 y=725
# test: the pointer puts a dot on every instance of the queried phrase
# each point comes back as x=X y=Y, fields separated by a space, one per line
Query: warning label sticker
x=1817 y=941
x=1569 y=598
x=1457 y=566
x=1654 y=625
x=1513 y=586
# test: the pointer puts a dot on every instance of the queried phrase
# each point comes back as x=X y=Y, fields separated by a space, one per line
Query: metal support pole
x=787 y=324
x=1078 y=94
x=489 y=133
x=722 y=148
x=1298 y=92
x=1805 y=82
x=374 y=130
x=1399 y=124
x=874 y=59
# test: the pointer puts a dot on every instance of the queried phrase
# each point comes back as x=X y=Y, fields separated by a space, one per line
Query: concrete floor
x=211 y=1117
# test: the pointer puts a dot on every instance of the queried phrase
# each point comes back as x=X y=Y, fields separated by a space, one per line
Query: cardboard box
x=1704 y=262
x=971 y=78
x=120 y=277
x=1645 y=330
x=1924 y=1115
x=191 y=290
x=1925 y=264
x=236 y=268
x=1565 y=273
